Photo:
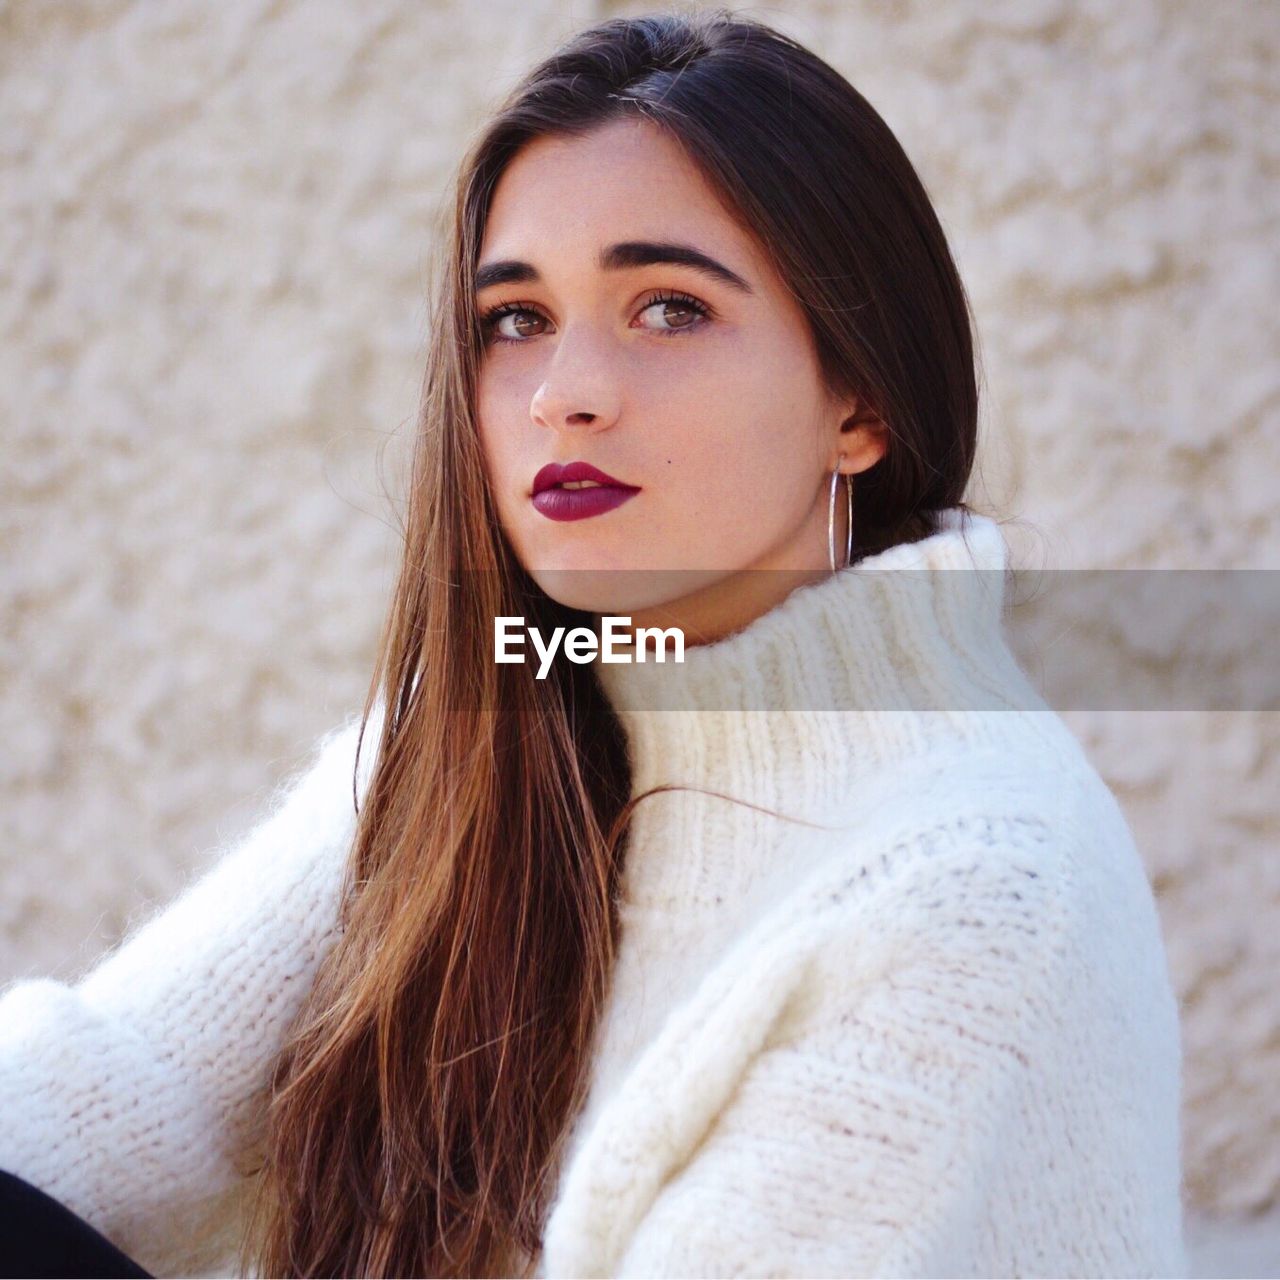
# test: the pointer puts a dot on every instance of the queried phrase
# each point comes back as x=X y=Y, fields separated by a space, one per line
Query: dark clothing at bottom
x=40 y=1236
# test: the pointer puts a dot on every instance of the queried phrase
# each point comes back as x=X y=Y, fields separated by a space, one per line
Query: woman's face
x=698 y=389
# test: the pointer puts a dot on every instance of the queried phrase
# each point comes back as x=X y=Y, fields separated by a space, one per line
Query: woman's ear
x=863 y=438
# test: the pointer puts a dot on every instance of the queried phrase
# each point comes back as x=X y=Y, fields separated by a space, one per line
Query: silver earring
x=831 y=519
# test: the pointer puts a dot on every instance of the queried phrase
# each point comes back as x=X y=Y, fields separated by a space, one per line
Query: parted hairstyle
x=419 y=1107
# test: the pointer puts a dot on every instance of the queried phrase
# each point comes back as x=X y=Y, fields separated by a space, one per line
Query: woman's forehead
x=568 y=202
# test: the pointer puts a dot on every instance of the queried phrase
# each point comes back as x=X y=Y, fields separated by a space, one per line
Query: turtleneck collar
x=898 y=656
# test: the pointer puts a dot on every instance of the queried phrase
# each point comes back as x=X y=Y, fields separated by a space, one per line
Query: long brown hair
x=419 y=1109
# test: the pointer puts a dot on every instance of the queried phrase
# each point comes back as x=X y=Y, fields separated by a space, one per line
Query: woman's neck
x=709 y=613
x=708 y=605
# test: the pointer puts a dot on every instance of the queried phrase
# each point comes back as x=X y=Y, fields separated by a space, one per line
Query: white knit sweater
x=931 y=1034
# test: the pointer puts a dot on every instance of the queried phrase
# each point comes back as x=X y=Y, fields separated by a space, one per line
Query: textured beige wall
x=212 y=240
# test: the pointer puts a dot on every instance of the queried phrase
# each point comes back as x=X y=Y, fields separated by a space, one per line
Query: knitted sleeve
x=132 y=1094
x=923 y=1082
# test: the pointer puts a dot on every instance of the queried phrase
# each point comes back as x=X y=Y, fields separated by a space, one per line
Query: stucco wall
x=212 y=238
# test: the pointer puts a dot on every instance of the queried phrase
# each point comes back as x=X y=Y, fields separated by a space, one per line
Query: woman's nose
x=580 y=385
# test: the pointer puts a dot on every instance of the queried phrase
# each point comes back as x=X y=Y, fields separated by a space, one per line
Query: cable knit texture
x=917 y=1021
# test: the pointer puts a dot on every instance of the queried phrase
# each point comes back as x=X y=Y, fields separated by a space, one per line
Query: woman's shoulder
x=1008 y=841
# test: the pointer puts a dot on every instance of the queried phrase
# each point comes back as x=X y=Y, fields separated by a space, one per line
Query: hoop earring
x=831 y=519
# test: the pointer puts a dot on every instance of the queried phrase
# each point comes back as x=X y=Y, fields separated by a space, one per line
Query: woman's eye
x=517 y=332
x=677 y=313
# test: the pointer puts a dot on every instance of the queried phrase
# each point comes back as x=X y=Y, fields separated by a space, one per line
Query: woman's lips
x=578 y=504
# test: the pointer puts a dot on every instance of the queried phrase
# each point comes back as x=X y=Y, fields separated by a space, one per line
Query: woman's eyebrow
x=620 y=257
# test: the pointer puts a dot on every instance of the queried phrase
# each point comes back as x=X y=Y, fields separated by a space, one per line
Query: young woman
x=824 y=952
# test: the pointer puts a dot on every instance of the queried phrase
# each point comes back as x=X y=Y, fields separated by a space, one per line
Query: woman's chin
x=620 y=591
x=601 y=589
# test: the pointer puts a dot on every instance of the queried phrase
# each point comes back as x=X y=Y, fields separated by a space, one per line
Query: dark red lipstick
x=556 y=502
